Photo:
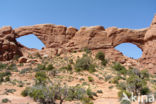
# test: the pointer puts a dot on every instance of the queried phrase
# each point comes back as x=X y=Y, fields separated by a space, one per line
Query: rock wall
x=8 y=45
x=61 y=39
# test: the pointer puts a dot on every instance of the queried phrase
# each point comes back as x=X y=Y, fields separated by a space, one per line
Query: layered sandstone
x=66 y=39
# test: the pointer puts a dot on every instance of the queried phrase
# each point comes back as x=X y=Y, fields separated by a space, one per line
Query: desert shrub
x=41 y=78
x=69 y=67
x=25 y=92
x=1 y=79
x=144 y=74
x=125 y=102
x=90 y=93
x=122 y=86
x=71 y=61
x=145 y=90
x=119 y=68
x=110 y=87
x=12 y=67
x=45 y=66
x=53 y=72
x=41 y=66
x=120 y=94
x=87 y=50
x=4 y=76
x=49 y=67
x=137 y=81
x=7 y=78
x=116 y=79
x=55 y=91
x=25 y=70
x=66 y=68
x=90 y=79
x=108 y=77
x=6 y=73
x=135 y=84
x=99 y=91
x=2 y=66
x=9 y=91
x=92 y=68
x=104 y=62
x=100 y=56
x=86 y=100
x=84 y=63
x=5 y=100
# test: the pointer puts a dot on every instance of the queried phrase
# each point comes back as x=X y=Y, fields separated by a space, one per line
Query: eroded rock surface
x=66 y=39
x=9 y=48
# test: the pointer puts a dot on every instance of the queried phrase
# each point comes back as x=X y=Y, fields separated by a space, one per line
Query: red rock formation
x=148 y=60
x=61 y=38
x=8 y=45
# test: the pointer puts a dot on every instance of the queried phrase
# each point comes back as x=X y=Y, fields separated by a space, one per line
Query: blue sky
x=132 y=14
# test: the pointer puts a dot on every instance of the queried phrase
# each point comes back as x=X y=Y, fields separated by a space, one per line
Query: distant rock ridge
x=67 y=39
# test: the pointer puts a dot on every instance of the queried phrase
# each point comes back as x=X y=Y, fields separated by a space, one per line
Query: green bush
x=116 y=79
x=122 y=86
x=99 y=91
x=144 y=74
x=7 y=78
x=41 y=67
x=10 y=91
x=137 y=81
x=90 y=93
x=48 y=94
x=2 y=66
x=12 y=67
x=25 y=70
x=5 y=75
x=92 y=68
x=87 y=50
x=25 y=92
x=41 y=78
x=104 y=62
x=108 y=77
x=145 y=90
x=1 y=79
x=100 y=56
x=86 y=100
x=120 y=94
x=49 y=67
x=125 y=102
x=5 y=100
x=90 y=79
x=69 y=67
x=119 y=68
x=84 y=63
x=71 y=61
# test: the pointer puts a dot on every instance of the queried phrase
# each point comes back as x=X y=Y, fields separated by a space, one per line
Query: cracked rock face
x=8 y=45
x=67 y=39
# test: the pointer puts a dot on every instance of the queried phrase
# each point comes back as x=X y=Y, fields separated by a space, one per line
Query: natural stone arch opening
x=31 y=41
x=130 y=50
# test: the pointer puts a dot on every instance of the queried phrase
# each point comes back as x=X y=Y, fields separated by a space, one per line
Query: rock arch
x=95 y=38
